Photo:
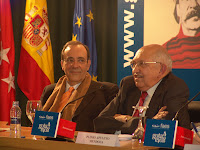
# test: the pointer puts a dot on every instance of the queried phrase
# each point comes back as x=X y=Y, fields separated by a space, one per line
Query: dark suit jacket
x=91 y=105
x=171 y=92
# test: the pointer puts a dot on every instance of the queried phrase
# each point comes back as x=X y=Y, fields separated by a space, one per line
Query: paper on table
x=4 y=129
x=124 y=137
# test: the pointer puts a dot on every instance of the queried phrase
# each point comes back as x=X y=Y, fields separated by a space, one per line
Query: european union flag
x=83 y=31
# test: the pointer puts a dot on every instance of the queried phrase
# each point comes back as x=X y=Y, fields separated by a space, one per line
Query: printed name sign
x=191 y=147
x=98 y=139
x=45 y=123
x=160 y=133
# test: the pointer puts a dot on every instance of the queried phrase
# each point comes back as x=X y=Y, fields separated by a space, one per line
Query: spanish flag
x=36 y=61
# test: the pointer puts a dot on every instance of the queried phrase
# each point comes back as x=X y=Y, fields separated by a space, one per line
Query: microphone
x=100 y=88
x=176 y=115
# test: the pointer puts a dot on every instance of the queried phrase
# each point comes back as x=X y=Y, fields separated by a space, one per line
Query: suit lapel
x=155 y=104
x=130 y=97
x=88 y=98
x=157 y=100
x=135 y=99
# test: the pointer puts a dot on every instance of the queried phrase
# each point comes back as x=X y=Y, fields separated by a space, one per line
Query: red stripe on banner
x=31 y=79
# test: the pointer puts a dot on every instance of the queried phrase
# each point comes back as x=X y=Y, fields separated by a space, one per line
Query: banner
x=36 y=60
x=173 y=24
x=7 y=60
x=83 y=31
x=130 y=34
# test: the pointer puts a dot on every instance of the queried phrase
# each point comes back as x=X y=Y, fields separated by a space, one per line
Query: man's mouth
x=137 y=76
x=75 y=72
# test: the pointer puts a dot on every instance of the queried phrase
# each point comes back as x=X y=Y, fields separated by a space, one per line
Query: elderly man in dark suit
x=75 y=95
x=164 y=93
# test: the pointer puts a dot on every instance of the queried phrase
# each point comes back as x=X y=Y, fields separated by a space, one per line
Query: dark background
x=60 y=13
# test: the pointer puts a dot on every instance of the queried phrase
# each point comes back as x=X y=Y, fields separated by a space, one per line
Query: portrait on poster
x=175 y=24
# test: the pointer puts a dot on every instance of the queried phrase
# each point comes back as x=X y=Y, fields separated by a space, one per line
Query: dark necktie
x=141 y=101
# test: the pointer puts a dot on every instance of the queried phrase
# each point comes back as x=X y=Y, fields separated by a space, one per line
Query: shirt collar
x=152 y=89
x=181 y=34
x=68 y=86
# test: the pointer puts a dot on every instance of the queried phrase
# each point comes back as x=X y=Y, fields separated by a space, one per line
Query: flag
x=83 y=31
x=7 y=60
x=36 y=60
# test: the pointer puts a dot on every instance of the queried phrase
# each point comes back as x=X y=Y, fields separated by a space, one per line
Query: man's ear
x=162 y=71
x=89 y=63
x=61 y=63
x=163 y=68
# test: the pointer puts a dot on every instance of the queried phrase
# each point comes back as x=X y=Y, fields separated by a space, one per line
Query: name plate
x=98 y=139
x=160 y=133
x=66 y=128
x=191 y=146
x=45 y=123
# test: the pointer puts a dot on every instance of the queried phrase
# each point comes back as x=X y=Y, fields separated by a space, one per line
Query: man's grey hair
x=163 y=56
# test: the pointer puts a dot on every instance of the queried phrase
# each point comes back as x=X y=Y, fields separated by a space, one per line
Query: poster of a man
x=174 y=24
x=184 y=48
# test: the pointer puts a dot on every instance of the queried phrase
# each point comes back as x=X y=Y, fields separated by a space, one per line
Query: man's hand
x=161 y=114
x=122 y=118
x=196 y=139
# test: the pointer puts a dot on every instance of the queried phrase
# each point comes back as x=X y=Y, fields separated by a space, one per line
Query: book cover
x=45 y=123
x=160 y=133
x=66 y=128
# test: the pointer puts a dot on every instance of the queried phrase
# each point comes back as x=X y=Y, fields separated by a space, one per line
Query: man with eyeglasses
x=75 y=94
x=153 y=82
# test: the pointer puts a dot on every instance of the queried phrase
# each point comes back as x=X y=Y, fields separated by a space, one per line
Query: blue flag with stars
x=83 y=31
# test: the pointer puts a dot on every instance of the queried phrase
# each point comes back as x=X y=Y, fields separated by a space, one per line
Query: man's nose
x=135 y=69
x=76 y=63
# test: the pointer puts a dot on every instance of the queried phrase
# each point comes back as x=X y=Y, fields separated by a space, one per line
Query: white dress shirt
x=148 y=98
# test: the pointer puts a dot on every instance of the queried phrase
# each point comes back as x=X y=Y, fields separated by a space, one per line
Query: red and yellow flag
x=7 y=61
x=36 y=59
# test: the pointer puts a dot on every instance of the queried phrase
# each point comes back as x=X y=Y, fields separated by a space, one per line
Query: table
x=28 y=143
x=25 y=131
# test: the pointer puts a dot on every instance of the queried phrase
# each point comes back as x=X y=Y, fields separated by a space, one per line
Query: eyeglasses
x=72 y=61
x=142 y=64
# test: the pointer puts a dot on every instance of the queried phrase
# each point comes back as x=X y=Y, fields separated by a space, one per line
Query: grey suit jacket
x=171 y=92
x=92 y=104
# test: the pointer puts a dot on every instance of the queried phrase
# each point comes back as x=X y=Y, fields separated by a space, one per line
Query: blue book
x=160 y=133
x=46 y=123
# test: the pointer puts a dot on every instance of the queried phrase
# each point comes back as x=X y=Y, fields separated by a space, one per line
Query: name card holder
x=45 y=123
x=166 y=134
x=160 y=133
x=50 y=124
x=98 y=139
x=66 y=128
x=191 y=147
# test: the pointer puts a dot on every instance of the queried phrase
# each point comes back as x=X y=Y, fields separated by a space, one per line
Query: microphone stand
x=176 y=115
x=101 y=87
